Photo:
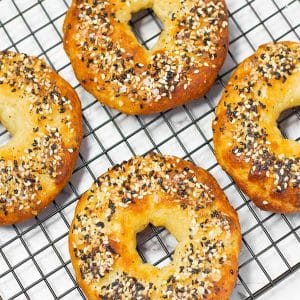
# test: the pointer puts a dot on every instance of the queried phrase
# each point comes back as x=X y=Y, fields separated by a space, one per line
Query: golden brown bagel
x=248 y=143
x=111 y=64
x=165 y=191
x=43 y=114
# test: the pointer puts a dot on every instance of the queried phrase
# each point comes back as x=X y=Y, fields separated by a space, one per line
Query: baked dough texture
x=43 y=114
x=111 y=64
x=165 y=191
x=248 y=143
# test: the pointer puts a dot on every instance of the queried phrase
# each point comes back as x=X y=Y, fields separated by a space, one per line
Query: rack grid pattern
x=34 y=259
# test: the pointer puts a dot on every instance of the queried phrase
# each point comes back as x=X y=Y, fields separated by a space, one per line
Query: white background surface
x=36 y=250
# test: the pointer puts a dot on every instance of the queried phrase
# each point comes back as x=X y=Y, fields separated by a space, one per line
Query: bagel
x=42 y=113
x=248 y=143
x=165 y=191
x=111 y=64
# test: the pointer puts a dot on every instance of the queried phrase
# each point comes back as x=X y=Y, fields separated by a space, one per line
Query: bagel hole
x=146 y=27
x=156 y=245
x=5 y=135
x=289 y=123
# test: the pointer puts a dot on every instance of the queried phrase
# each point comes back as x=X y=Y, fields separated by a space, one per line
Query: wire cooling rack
x=34 y=259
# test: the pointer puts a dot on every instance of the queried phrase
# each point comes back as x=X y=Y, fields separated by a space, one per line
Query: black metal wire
x=144 y=127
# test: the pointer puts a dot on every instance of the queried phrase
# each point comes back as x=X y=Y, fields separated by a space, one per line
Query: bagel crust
x=111 y=64
x=43 y=114
x=248 y=143
x=165 y=191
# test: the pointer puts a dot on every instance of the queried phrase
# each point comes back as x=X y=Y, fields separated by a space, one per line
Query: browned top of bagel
x=165 y=191
x=247 y=141
x=110 y=63
x=43 y=114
